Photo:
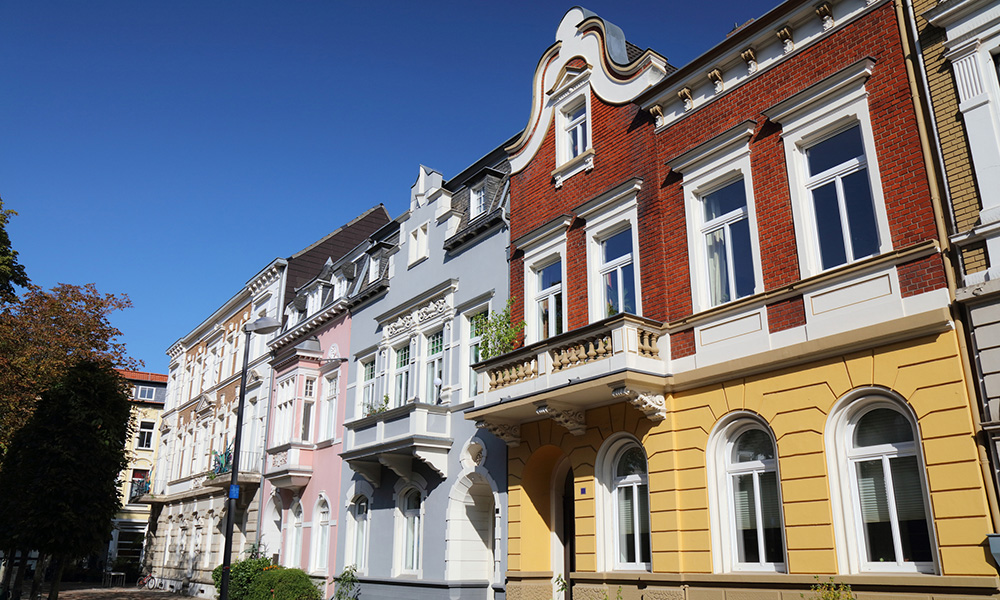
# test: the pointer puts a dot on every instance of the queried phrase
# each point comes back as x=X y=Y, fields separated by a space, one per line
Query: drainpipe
x=911 y=49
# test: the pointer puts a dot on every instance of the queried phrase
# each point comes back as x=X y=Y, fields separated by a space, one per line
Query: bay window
x=434 y=367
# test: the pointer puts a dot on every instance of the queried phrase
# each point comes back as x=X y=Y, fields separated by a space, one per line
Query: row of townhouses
x=761 y=338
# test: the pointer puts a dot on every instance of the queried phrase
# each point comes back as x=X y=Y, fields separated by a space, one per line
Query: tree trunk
x=57 y=578
x=22 y=566
x=8 y=571
x=36 y=582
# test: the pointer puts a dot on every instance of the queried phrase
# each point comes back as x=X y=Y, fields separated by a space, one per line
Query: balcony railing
x=138 y=489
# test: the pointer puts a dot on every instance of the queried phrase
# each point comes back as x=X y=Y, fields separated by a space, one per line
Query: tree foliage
x=498 y=331
x=11 y=272
x=42 y=335
x=64 y=464
x=242 y=574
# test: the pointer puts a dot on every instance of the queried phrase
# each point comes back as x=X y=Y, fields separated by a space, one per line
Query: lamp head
x=263 y=326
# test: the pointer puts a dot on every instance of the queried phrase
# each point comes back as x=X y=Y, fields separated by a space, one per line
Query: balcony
x=167 y=489
x=395 y=437
x=620 y=358
x=289 y=466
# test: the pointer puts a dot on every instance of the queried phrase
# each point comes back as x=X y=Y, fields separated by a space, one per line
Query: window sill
x=417 y=262
x=583 y=162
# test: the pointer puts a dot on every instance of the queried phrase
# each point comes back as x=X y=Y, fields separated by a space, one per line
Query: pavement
x=78 y=592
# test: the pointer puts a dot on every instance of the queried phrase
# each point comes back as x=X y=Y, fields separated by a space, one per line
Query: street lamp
x=262 y=326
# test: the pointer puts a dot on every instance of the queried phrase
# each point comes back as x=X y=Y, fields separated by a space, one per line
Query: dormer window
x=418 y=244
x=574 y=139
x=477 y=201
x=374 y=269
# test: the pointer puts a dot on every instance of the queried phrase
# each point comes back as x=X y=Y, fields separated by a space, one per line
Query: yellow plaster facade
x=796 y=403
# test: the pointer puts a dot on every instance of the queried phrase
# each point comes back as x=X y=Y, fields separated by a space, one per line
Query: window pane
x=628 y=289
x=626 y=525
x=882 y=426
x=559 y=314
x=745 y=505
x=402 y=357
x=875 y=511
x=860 y=214
x=829 y=227
x=718 y=270
x=742 y=257
x=632 y=462
x=909 y=498
x=411 y=542
x=611 y=293
x=829 y=153
x=544 y=316
x=753 y=445
x=618 y=245
x=550 y=275
x=725 y=200
x=770 y=510
x=643 y=518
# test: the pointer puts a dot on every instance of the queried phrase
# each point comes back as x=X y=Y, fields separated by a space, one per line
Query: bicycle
x=147 y=581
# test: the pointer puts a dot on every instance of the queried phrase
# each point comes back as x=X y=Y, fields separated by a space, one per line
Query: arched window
x=359 y=541
x=294 y=547
x=630 y=489
x=752 y=487
x=411 y=503
x=888 y=490
x=321 y=537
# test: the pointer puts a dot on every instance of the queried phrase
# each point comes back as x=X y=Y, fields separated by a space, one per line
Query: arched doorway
x=471 y=530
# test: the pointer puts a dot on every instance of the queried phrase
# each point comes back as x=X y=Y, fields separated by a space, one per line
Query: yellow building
x=128 y=536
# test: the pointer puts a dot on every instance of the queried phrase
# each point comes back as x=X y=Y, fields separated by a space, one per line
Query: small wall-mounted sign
x=583 y=491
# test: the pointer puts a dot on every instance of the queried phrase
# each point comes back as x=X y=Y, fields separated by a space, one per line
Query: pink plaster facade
x=305 y=432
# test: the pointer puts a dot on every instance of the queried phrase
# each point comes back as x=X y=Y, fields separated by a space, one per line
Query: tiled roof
x=142 y=376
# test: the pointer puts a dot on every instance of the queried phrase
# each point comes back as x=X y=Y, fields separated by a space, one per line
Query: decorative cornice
x=510 y=433
x=650 y=404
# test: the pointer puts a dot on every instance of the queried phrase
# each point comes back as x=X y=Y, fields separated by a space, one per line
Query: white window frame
x=535 y=259
x=328 y=428
x=403 y=517
x=151 y=433
x=829 y=107
x=293 y=542
x=285 y=409
x=142 y=391
x=848 y=523
x=550 y=293
x=607 y=217
x=435 y=362
x=706 y=169
x=477 y=200
x=360 y=532
x=366 y=386
x=418 y=248
x=606 y=504
x=401 y=373
x=473 y=342
x=308 y=415
x=720 y=448
x=565 y=124
x=320 y=541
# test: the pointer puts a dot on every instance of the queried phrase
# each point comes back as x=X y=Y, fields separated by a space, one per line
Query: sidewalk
x=76 y=591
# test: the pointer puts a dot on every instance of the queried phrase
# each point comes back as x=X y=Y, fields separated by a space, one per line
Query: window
x=617 y=274
x=295 y=537
x=549 y=300
x=418 y=244
x=139 y=485
x=435 y=366
x=360 y=546
x=630 y=492
x=329 y=423
x=309 y=390
x=880 y=476
x=833 y=172
x=477 y=323
x=411 y=532
x=374 y=269
x=145 y=441
x=752 y=500
x=286 y=409
x=728 y=251
x=575 y=130
x=367 y=386
x=308 y=402
x=477 y=201
x=146 y=392
x=401 y=388
x=321 y=539
x=842 y=198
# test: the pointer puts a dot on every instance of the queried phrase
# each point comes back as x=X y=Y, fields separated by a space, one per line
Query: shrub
x=283 y=584
x=347 y=586
x=241 y=576
x=831 y=590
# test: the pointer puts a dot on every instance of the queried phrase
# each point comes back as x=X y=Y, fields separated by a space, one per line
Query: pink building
x=305 y=431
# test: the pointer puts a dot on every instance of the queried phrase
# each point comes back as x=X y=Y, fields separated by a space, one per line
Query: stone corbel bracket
x=685 y=97
x=510 y=433
x=825 y=12
x=749 y=56
x=654 y=406
x=571 y=418
x=715 y=76
x=784 y=34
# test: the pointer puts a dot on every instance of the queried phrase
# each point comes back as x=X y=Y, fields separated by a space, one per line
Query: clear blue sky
x=170 y=150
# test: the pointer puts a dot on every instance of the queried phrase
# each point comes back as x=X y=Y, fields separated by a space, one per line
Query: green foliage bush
x=283 y=584
x=242 y=575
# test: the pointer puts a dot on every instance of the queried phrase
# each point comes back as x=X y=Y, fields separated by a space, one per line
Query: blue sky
x=170 y=150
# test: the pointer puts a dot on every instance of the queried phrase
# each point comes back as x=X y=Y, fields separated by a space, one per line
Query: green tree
x=64 y=464
x=498 y=331
x=11 y=272
x=42 y=335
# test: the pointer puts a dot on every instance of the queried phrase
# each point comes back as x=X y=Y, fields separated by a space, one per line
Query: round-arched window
x=411 y=516
x=631 y=507
x=752 y=476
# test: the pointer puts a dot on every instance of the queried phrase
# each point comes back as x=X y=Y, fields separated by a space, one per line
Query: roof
x=142 y=376
x=305 y=264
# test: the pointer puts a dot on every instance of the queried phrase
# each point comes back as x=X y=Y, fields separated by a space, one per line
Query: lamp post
x=262 y=326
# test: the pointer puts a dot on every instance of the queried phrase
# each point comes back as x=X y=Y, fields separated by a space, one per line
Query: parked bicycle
x=147 y=581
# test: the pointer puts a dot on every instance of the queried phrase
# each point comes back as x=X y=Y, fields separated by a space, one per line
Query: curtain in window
x=718 y=271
